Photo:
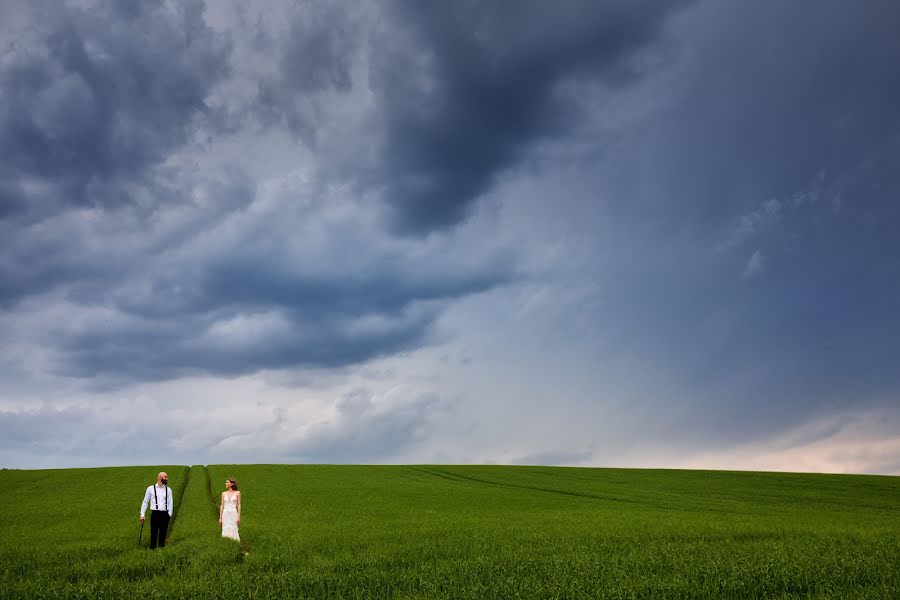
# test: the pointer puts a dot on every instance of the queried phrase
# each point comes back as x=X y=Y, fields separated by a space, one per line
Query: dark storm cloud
x=720 y=269
x=92 y=102
x=163 y=267
x=92 y=99
x=478 y=84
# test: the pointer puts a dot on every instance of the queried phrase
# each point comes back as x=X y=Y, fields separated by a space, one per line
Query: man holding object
x=159 y=497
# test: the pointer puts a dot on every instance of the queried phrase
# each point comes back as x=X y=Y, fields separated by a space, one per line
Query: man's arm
x=171 y=502
x=145 y=503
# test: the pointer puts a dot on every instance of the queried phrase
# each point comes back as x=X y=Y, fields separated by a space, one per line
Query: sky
x=602 y=234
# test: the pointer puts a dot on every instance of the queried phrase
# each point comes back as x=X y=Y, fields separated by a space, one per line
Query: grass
x=456 y=532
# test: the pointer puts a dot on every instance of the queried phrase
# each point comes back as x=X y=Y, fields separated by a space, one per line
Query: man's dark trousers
x=159 y=525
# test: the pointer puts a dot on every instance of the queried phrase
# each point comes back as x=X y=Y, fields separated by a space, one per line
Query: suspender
x=165 y=499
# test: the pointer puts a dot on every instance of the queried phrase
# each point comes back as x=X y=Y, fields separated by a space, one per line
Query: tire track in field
x=176 y=509
x=209 y=490
x=458 y=478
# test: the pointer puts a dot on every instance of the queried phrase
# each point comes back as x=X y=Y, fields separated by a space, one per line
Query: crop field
x=317 y=531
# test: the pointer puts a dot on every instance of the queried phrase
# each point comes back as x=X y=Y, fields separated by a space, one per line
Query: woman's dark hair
x=233 y=483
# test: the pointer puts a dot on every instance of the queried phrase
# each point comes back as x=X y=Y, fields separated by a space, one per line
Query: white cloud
x=755 y=265
x=768 y=214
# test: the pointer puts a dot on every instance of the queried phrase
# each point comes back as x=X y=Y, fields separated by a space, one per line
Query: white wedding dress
x=230 y=517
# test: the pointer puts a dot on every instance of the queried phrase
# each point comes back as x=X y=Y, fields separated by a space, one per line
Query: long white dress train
x=229 y=517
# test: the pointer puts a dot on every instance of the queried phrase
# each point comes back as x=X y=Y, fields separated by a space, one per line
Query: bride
x=230 y=510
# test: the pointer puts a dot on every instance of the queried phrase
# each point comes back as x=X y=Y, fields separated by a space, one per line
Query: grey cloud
x=90 y=435
x=384 y=289
x=319 y=49
x=22 y=429
x=12 y=199
x=91 y=251
x=821 y=431
x=316 y=56
x=363 y=432
x=160 y=349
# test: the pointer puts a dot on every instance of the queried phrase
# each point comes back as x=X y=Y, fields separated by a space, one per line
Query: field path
x=200 y=476
x=212 y=496
x=179 y=501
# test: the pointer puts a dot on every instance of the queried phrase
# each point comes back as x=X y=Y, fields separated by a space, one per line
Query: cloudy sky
x=644 y=233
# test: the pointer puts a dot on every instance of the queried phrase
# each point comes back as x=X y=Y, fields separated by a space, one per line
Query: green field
x=454 y=532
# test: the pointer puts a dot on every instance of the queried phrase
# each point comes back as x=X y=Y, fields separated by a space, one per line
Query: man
x=159 y=497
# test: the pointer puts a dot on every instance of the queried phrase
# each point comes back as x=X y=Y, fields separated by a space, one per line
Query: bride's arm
x=239 y=507
x=221 y=506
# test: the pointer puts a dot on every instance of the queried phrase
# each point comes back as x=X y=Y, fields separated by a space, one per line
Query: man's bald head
x=163 y=477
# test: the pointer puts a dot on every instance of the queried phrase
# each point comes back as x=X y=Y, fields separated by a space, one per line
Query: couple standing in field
x=159 y=498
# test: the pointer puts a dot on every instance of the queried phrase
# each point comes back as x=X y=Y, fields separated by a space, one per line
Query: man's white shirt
x=157 y=497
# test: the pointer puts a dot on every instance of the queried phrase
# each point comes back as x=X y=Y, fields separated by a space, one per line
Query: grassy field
x=455 y=532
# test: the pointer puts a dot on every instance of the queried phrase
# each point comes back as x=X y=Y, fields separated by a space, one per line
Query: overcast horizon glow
x=615 y=234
